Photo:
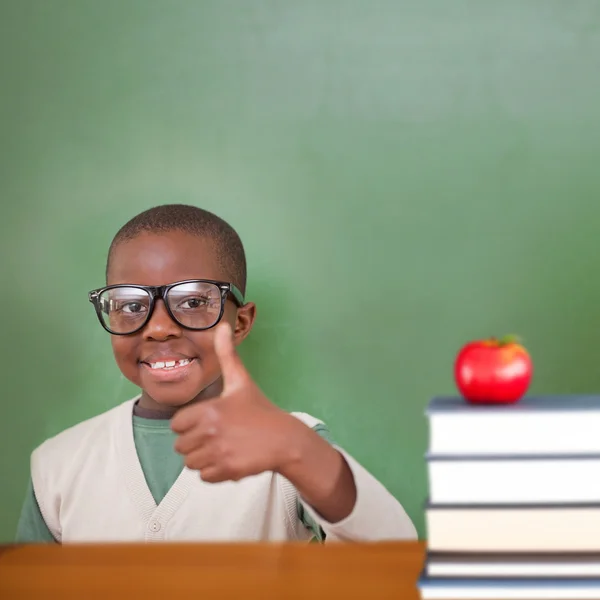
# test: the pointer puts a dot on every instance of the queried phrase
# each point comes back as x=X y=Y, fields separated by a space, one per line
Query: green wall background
x=406 y=175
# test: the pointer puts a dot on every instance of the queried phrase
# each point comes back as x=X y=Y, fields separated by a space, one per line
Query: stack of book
x=514 y=499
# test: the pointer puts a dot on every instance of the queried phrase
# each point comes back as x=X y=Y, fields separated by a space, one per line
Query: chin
x=173 y=397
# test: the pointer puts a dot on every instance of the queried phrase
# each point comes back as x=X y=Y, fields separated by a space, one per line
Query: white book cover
x=518 y=479
x=534 y=425
x=515 y=565
x=523 y=528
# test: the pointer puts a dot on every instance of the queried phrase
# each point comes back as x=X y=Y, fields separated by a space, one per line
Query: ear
x=244 y=321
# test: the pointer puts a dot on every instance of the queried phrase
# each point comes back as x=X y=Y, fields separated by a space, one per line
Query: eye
x=193 y=303
x=132 y=308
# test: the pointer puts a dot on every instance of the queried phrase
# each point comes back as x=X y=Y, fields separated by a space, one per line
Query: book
x=513 y=479
x=534 y=425
x=513 y=528
x=512 y=565
x=506 y=588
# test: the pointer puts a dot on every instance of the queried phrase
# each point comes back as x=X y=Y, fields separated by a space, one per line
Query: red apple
x=493 y=371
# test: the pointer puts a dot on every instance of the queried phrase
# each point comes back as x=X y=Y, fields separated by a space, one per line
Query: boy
x=201 y=454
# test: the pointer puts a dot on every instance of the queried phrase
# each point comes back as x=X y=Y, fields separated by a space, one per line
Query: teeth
x=171 y=364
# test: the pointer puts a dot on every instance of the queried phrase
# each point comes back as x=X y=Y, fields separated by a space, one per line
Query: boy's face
x=152 y=259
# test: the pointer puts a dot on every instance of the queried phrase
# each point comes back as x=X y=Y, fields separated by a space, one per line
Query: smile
x=169 y=370
x=170 y=364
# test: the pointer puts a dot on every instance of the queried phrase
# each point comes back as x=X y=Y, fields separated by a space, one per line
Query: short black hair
x=196 y=221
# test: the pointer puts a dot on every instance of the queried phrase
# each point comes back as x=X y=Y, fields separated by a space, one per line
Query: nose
x=161 y=326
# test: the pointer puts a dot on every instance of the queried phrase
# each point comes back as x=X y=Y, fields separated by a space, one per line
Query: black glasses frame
x=160 y=292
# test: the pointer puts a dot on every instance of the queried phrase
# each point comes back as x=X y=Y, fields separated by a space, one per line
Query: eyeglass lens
x=196 y=305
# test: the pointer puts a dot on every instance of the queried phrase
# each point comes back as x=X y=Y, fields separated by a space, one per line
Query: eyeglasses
x=195 y=304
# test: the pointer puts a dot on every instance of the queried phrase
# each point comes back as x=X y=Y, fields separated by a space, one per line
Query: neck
x=161 y=410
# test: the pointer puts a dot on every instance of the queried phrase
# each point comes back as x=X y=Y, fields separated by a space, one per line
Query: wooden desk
x=211 y=572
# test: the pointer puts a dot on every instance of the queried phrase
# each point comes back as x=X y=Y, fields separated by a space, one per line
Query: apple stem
x=509 y=339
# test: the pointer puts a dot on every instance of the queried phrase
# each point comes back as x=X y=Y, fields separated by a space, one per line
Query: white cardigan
x=90 y=487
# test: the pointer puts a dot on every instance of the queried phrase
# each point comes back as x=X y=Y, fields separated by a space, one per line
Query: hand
x=239 y=433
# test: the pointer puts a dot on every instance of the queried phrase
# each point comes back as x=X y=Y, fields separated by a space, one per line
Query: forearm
x=347 y=501
x=321 y=475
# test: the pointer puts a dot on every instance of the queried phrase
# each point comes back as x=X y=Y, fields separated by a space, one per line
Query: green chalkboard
x=405 y=175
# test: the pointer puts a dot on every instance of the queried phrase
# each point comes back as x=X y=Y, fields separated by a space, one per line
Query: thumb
x=232 y=368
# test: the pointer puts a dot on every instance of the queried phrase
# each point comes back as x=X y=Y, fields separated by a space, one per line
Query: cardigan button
x=154 y=526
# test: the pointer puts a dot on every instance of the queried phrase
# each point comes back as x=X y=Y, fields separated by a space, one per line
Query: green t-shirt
x=161 y=465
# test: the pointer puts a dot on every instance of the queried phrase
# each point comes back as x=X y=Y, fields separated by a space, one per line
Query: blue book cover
x=509 y=583
x=526 y=404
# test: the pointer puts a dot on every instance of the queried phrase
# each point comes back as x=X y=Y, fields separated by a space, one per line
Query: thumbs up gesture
x=239 y=433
